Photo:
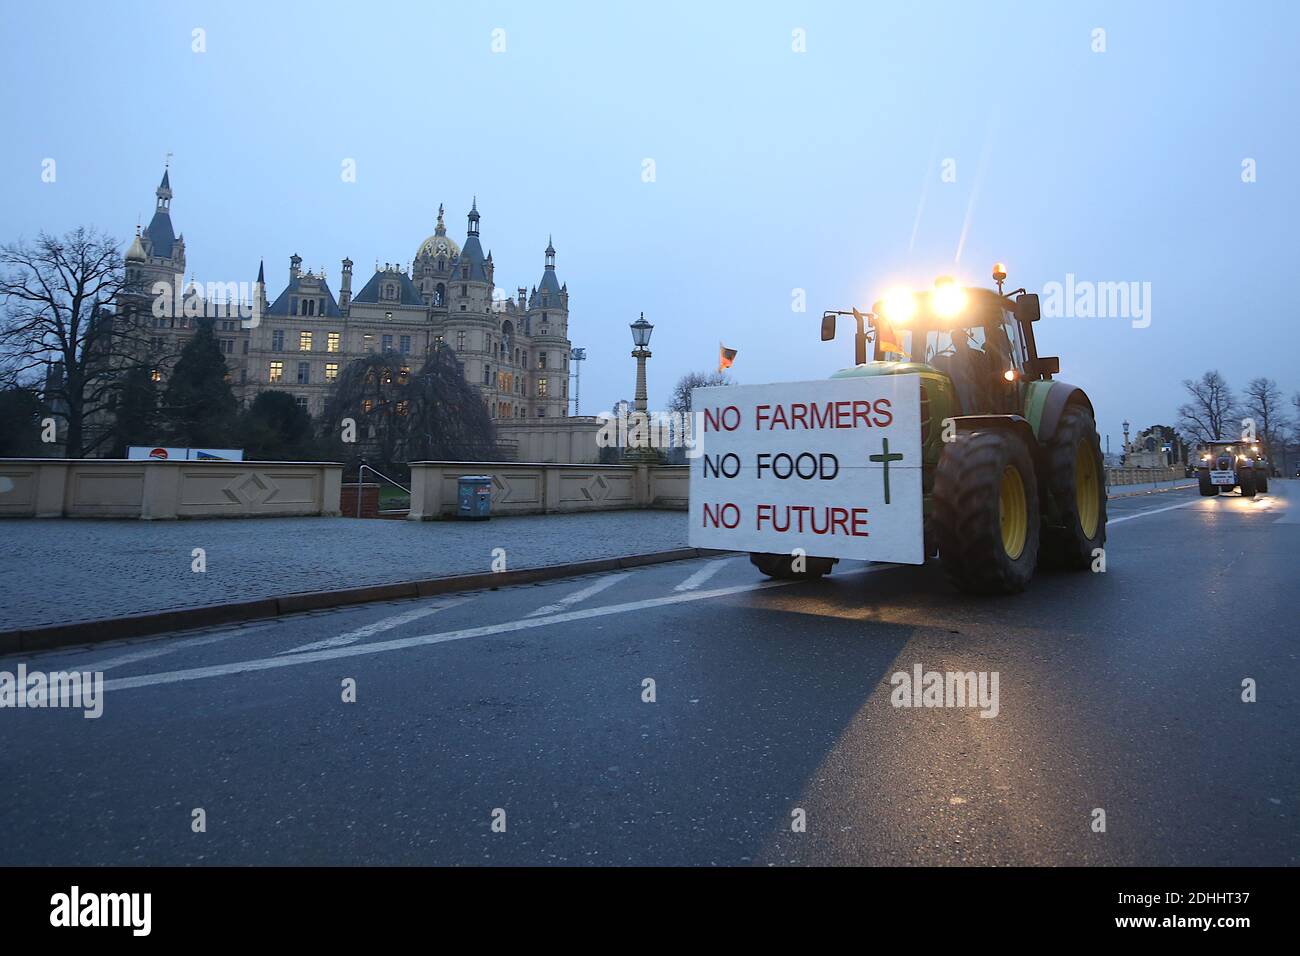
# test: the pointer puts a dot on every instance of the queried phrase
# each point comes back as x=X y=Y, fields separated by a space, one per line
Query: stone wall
x=151 y=489
x=547 y=488
x=552 y=440
x=1138 y=476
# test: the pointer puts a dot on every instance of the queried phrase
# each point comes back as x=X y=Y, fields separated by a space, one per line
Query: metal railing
x=360 y=481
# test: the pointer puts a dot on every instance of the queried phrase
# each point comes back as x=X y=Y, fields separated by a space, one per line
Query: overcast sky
x=907 y=141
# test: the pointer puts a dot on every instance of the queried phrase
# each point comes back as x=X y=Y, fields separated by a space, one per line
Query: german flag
x=887 y=340
x=725 y=357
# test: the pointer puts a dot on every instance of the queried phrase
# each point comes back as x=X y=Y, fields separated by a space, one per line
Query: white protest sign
x=832 y=467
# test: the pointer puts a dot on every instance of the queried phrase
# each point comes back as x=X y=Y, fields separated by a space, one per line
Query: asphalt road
x=1118 y=691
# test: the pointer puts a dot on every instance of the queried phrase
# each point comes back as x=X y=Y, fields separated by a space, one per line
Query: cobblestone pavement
x=58 y=571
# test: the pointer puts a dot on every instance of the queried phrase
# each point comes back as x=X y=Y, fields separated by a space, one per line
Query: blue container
x=474 y=496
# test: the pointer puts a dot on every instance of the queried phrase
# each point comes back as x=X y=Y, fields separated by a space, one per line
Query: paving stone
x=62 y=570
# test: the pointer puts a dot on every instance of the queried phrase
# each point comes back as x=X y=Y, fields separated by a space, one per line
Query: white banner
x=163 y=453
x=832 y=467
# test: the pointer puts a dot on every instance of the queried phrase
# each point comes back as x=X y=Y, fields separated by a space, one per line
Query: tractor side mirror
x=828 y=327
x=1048 y=365
x=1027 y=308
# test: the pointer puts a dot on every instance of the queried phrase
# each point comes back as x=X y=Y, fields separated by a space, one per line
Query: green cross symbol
x=885 y=458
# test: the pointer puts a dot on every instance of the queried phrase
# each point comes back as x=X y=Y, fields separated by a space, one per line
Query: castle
x=514 y=350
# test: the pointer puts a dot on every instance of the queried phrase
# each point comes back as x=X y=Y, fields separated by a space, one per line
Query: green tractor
x=1012 y=470
x=1228 y=465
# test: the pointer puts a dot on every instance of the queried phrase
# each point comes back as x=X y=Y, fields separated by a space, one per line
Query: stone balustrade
x=156 y=490
x=544 y=488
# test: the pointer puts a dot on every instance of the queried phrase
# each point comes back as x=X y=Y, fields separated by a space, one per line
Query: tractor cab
x=976 y=344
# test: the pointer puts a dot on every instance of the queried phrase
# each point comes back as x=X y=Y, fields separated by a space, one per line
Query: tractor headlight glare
x=948 y=300
x=900 y=305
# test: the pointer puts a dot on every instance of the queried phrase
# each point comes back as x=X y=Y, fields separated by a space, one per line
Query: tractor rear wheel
x=1261 y=482
x=1074 y=479
x=985 y=516
x=781 y=566
x=1248 y=484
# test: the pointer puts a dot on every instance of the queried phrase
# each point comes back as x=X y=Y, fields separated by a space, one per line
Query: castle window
x=293 y=306
x=487 y=374
x=387 y=343
x=245 y=346
x=541 y=413
x=277 y=340
x=541 y=387
x=332 y=342
x=403 y=373
x=331 y=371
x=404 y=345
x=277 y=373
x=304 y=373
x=460 y=341
x=304 y=341
x=464 y=291
x=155 y=376
x=541 y=360
x=464 y=273
x=301 y=402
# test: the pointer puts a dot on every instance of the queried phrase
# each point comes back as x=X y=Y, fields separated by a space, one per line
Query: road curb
x=237 y=612
x=1148 y=491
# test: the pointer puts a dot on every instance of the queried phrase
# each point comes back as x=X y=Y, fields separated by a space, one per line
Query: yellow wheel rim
x=1012 y=516
x=1087 y=489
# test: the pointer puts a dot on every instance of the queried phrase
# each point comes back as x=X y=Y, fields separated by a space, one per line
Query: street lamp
x=641 y=330
x=639 y=419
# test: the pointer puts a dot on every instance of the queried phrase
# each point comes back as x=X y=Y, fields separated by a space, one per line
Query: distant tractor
x=1012 y=472
x=1227 y=466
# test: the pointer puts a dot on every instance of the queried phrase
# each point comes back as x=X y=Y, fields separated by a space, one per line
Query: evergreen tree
x=136 y=420
x=199 y=407
x=275 y=428
x=21 y=410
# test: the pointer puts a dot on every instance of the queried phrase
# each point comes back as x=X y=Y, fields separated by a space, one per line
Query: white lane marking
x=109 y=663
x=579 y=596
x=702 y=575
x=424 y=640
x=171 y=647
x=1153 y=511
x=385 y=624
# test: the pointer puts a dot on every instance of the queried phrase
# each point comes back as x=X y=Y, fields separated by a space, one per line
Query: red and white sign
x=832 y=467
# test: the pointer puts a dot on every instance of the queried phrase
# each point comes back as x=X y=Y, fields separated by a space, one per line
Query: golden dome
x=439 y=244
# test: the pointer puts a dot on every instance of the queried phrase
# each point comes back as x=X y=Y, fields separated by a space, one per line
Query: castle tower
x=345 y=288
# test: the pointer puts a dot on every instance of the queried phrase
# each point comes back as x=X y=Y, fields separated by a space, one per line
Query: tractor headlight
x=900 y=306
x=948 y=299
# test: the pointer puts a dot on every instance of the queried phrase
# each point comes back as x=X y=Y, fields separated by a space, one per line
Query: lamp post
x=641 y=330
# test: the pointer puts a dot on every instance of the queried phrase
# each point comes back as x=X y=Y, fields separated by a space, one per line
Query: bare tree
x=57 y=324
x=1206 y=417
x=681 y=400
x=1263 y=403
